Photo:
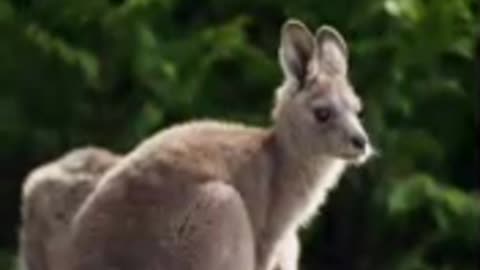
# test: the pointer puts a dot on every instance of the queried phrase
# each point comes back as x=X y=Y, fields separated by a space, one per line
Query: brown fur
x=207 y=195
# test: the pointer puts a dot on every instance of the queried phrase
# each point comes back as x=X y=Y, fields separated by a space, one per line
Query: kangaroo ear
x=296 y=49
x=332 y=51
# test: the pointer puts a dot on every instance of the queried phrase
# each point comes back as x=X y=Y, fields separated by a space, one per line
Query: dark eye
x=322 y=114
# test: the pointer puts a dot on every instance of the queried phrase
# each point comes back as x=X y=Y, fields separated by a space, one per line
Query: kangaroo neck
x=302 y=180
x=305 y=168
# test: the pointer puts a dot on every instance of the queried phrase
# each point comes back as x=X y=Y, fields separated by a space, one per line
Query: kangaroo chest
x=295 y=197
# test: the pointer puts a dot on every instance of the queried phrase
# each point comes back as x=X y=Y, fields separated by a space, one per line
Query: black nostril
x=358 y=142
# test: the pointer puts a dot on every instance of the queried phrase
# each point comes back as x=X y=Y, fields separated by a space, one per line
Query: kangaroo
x=210 y=195
x=51 y=195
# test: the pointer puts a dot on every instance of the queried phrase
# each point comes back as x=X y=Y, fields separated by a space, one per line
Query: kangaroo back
x=51 y=196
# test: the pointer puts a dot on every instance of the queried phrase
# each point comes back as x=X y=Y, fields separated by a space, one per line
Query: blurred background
x=111 y=72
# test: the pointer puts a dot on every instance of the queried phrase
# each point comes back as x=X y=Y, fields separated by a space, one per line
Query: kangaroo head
x=316 y=110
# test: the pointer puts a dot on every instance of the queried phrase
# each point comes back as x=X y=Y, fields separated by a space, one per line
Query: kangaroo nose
x=358 y=142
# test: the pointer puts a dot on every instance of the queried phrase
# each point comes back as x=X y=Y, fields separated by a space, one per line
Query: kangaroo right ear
x=296 y=49
x=332 y=50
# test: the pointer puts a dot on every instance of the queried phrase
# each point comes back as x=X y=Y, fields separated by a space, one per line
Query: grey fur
x=53 y=192
x=207 y=195
x=51 y=196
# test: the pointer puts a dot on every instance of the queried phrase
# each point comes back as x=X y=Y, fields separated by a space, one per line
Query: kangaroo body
x=222 y=177
x=208 y=195
x=53 y=193
x=51 y=196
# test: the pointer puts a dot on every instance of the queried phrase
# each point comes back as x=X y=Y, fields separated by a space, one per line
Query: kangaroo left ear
x=296 y=50
x=331 y=50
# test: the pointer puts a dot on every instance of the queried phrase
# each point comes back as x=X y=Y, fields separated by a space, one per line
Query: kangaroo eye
x=322 y=114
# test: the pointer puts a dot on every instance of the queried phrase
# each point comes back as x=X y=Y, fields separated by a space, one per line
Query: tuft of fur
x=51 y=195
x=210 y=195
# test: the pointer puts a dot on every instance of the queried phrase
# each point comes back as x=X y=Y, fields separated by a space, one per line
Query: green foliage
x=113 y=72
x=450 y=218
x=6 y=260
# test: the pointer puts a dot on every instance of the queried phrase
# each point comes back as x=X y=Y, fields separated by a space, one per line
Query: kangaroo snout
x=358 y=142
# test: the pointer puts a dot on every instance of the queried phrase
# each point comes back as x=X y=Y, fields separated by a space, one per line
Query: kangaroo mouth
x=358 y=158
x=355 y=159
